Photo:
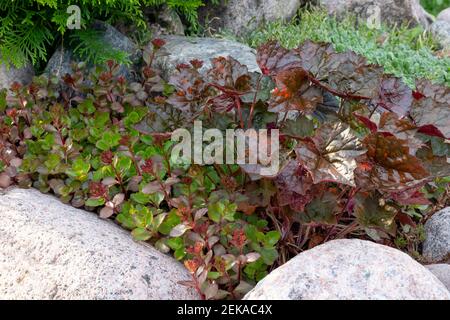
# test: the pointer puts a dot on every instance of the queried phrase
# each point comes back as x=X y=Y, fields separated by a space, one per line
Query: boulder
x=61 y=61
x=441 y=32
x=49 y=250
x=442 y=272
x=436 y=247
x=350 y=269
x=184 y=49
x=11 y=74
x=444 y=15
x=240 y=16
x=391 y=12
x=441 y=29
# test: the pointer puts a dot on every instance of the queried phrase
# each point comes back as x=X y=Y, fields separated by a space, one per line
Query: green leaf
x=175 y=243
x=179 y=253
x=87 y=106
x=102 y=145
x=215 y=211
x=141 y=234
x=271 y=238
x=95 y=202
x=269 y=255
x=140 y=197
x=171 y=221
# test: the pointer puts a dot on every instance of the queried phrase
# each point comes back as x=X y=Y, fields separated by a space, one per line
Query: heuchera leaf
x=314 y=55
x=371 y=211
x=330 y=154
x=294 y=182
x=229 y=74
x=394 y=95
x=402 y=129
x=322 y=209
x=432 y=108
x=392 y=167
x=294 y=92
x=190 y=90
x=273 y=58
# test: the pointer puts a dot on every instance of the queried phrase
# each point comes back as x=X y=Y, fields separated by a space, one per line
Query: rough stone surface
x=61 y=61
x=441 y=29
x=49 y=250
x=442 y=272
x=239 y=16
x=390 y=11
x=350 y=269
x=9 y=75
x=168 y=22
x=444 y=15
x=436 y=247
x=183 y=49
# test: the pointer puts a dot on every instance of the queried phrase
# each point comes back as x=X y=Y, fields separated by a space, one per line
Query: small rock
x=184 y=49
x=391 y=12
x=61 y=61
x=350 y=269
x=49 y=250
x=442 y=272
x=436 y=247
x=240 y=16
x=11 y=74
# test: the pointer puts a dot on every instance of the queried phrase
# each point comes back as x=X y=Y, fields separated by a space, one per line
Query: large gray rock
x=49 y=250
x=61 y=61
x=183 y=49
x=436 y=247
x=442 y=272
x=9 y=75
x=444 y=15
x=441 y=29
x=390 y=12
x=239 y=16
x=350 y=269
x=441 y=32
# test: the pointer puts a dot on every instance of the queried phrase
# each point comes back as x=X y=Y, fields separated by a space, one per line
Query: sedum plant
x=360 y=152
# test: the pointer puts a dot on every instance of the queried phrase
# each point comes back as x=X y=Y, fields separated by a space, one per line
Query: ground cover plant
x=362 y=155
x=408 y=53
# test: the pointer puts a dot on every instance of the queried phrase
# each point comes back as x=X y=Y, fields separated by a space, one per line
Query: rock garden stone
x=350 y=269
x=183 y=49
x=436 y=247
x=11 y=74
x=49 y=250
x=441 y=29
x=444 y=15
x=239 y=16
x=61 y=61
x=442 y=272
x=441 y=32
x=390 y=11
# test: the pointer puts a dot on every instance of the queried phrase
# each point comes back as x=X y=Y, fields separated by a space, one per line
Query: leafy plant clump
x=360 y=151
x=405 y=52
